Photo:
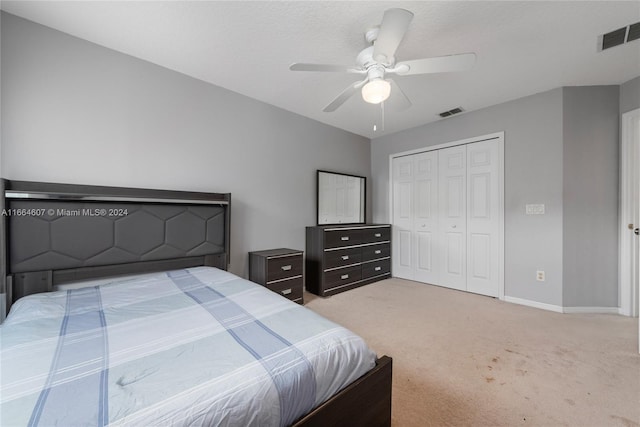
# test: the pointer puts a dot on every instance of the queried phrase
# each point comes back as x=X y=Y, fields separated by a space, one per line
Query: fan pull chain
x=375 y=125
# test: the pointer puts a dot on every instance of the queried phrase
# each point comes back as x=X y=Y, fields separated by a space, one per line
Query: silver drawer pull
x=286 y=267
x=378 y=235
x=378 y=268
x=344 y=238
x=378 y=252
x=286 y=291
x=345 y=257
x=344 y=276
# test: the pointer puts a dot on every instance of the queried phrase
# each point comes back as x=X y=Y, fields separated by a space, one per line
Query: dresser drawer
x=376 y=268
x=339 y=238
x=342 y=276
x=371 y=235
x=283 y=267
x=291 y=288
x=342 y=257
x=345 y=256
x=376 y=251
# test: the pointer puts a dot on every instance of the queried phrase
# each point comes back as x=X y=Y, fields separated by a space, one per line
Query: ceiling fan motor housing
x=375 y=72
x=366 y=61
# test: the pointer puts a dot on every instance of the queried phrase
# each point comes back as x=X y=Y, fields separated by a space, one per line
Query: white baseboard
x=592 y=310
x=559 y=309
x=535 y=304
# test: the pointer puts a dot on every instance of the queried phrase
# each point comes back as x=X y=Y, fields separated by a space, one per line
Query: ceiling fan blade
x=325 y=68
x=344 y=96
x=438 y=64
x=398 y=101
x=394 y=25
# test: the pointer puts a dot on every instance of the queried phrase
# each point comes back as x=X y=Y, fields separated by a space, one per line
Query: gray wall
x=630 y=95
x=561 y=149
x=533 y=174
x=590 y=202
x=75 y=112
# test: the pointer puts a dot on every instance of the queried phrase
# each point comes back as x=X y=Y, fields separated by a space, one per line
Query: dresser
x=280 y=270
x=339 y=258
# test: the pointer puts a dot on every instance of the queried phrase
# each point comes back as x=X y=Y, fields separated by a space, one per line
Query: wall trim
x=534 y=304
x=495 y=135
x=629 y=160
x=591 y=310
x=564 y=310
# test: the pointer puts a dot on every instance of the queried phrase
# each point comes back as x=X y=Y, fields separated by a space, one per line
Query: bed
x=123 y=314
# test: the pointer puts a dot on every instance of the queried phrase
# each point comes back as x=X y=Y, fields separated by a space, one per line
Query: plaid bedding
x=199 y=346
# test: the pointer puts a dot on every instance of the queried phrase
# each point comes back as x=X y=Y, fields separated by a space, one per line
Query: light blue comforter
x=198 y=347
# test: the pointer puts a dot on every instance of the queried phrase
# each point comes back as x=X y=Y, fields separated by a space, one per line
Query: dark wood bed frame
x=365 y=402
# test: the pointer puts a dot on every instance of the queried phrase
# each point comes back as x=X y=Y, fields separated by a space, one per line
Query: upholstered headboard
x=58 y=233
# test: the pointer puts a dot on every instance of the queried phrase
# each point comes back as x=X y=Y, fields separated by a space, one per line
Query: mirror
x=341 y=198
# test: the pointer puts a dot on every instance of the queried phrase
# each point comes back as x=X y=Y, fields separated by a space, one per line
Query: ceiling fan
x=378 y=60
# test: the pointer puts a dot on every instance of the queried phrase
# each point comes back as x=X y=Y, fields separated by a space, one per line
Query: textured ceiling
x=523 y=47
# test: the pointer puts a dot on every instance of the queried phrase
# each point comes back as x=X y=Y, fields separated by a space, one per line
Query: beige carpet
x=466 y=360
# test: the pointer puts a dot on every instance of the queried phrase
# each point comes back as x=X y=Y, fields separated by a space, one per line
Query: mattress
x=199 y=347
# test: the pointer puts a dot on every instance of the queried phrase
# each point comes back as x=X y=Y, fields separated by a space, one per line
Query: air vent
x=620 y=36
x=634 y=32
x=456 y=110
x=614 y=38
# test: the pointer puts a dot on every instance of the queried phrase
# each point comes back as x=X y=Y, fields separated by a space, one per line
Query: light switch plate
x=534 y=209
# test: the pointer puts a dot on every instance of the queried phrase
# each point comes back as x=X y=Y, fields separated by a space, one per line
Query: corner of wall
x=630 y=95
x=590 y=187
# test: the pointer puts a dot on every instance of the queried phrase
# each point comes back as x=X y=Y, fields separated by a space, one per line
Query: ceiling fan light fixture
x=376 y=91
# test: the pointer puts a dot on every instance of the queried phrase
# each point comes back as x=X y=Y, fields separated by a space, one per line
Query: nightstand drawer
x=283 y=267
x=279 y=270
x=291 y=288
x=342 y=257
x=342 y=276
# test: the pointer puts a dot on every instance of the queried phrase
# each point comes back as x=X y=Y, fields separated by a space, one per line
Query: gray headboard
x=58 y=233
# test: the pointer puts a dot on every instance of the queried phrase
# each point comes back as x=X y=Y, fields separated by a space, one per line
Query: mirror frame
x=363 y=200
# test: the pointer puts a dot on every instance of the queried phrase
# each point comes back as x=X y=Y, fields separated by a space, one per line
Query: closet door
x=452 y=202
x=415 y=213
x=425 y=217
x=403 y=257
x=483 y=217
x=447 y=219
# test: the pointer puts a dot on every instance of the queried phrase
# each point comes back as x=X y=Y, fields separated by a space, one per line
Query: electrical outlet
x=540 y=276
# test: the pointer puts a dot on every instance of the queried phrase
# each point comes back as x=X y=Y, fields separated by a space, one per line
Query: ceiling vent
x=451 y=112
x=620 y=36
x=634 y=32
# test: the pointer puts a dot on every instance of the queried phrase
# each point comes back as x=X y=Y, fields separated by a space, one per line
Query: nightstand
x=280 y=270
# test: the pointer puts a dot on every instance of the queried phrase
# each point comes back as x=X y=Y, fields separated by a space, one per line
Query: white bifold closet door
x=446 y=218
x=415 y=192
